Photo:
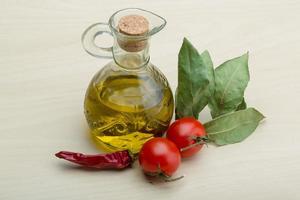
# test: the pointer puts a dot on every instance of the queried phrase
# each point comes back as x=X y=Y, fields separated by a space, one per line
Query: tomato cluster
x=162 y=156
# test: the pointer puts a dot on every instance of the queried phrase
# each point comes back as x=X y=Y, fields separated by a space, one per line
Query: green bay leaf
x=233 y=127
x=208 y=65
x=210 y=89
x=231 y=80
x=193 y=81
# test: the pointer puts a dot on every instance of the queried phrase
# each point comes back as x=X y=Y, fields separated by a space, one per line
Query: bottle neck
x=131 y=60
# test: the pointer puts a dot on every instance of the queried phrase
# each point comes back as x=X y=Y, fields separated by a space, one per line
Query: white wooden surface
x=44 y=73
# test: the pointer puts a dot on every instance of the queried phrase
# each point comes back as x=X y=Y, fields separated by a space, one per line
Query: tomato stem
x=173 y=179
x=198 y=141
x=161 y=177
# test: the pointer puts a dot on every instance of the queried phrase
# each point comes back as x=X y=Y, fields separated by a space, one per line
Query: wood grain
x=44 y=73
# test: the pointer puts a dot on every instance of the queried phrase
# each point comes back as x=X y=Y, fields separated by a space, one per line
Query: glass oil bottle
x=129 y=100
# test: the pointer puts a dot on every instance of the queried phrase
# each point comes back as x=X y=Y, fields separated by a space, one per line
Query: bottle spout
x=157 y=24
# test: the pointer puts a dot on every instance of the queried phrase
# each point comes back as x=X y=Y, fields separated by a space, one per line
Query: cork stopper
x=133 y=25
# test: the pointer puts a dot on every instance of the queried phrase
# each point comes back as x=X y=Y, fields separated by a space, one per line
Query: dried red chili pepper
x=116 y=160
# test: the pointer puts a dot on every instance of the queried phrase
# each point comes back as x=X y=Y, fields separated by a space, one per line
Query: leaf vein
x=227 y=85
x=232 y=128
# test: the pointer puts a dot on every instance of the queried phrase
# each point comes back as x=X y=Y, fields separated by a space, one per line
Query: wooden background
x=44 y=73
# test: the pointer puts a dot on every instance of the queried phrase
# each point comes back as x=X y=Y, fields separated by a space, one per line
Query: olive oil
x=125 y=104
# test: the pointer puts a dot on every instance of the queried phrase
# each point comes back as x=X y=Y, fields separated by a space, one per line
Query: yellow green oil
x=126 y=109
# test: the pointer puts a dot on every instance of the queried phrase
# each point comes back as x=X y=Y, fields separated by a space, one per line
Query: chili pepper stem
x=133 y=156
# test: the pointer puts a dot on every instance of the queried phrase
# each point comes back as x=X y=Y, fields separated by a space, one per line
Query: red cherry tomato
x=159 y=156
x=185 y=132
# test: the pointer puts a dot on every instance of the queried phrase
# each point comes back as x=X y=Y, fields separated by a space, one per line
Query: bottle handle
x=88 y=40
